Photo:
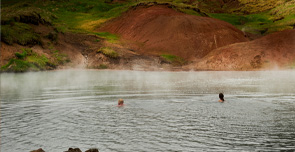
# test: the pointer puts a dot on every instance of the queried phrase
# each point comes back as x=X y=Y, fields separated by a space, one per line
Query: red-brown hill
x=157 y=30
x=273 y=51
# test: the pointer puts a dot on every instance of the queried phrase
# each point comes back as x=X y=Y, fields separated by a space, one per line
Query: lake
x=164 y=111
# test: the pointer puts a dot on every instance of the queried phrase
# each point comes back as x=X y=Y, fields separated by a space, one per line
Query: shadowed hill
x=272 y=51
x=157 y=30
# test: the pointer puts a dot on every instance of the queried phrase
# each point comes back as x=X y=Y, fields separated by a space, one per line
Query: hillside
x=274 y=51
x=120 y=34
x=159 y=30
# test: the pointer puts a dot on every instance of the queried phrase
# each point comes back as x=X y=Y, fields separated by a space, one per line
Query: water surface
x=164 y=111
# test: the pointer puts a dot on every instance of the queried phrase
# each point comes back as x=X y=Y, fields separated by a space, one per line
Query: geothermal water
x=164 y=111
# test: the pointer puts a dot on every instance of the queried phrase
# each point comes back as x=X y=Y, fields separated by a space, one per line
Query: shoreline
x=128 y=70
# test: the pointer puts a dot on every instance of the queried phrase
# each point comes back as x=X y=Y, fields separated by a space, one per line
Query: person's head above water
x=221 y=97
x=120 y=102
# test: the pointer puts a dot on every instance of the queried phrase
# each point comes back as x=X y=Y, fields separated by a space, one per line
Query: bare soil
x=274 y=51
x=7 y=52
x=157 y=30
x=82 y=50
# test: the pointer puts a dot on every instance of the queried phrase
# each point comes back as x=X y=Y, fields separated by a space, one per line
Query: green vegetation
x=82 y=16
x=230 y=18
x=29 y=60
x=254 y=23
x=76 y=15
x=112 y=38
x=174 y=60
x=109 y=52
x=242 y=7
x=16 y=20
x=21 y=55
x=257 y=6
x=17 y=65
x=178 y=5
x=59 y=58
x=66 y=16
x=39 y=61
x=190 y=12
x=260 y=17
x=102 y=66
x=26 y=12
x=285 y=9
x=20 y=33
x=86 y=16
x=254 y=16
x=291 y=65
x=97 y=40
x=262 y=23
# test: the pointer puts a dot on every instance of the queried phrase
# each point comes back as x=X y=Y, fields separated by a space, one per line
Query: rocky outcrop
x=74 y=150
x=92 y=150
x=70 y=150
x=38 y=150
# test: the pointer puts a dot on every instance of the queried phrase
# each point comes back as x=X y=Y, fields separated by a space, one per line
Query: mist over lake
x=147 y=75
x=164 y=111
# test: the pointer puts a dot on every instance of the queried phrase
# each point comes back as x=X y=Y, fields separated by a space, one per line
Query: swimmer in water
x=120 y=102
x=221 y=97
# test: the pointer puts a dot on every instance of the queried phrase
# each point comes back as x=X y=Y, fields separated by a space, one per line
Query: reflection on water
x=165 y=111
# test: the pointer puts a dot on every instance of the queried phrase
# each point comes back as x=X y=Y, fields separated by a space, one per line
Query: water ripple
x=163 y=112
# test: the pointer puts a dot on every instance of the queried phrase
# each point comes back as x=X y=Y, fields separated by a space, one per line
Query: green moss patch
x=20 y=33
x=27 y=61
x=17 y=65
x=262 y=23
x=257 y=6
x=77 y=16
x=38 y=61
x=59 y=58
x=26 y=12
x=230 y=18
x=102 y=66
x=112 y=38
x=109 y=52
x=292 y=66
x=174 y=60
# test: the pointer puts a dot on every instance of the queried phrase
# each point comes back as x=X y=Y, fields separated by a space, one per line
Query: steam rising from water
x=265 y=81
x=164 y=111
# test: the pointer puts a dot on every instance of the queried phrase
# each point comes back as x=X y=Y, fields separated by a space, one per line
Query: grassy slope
x=83 y=16
x=67 y=16
x=88 y=15
x=28 y=60
x=260 y=16
x=15 y=20
x=70 y=16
